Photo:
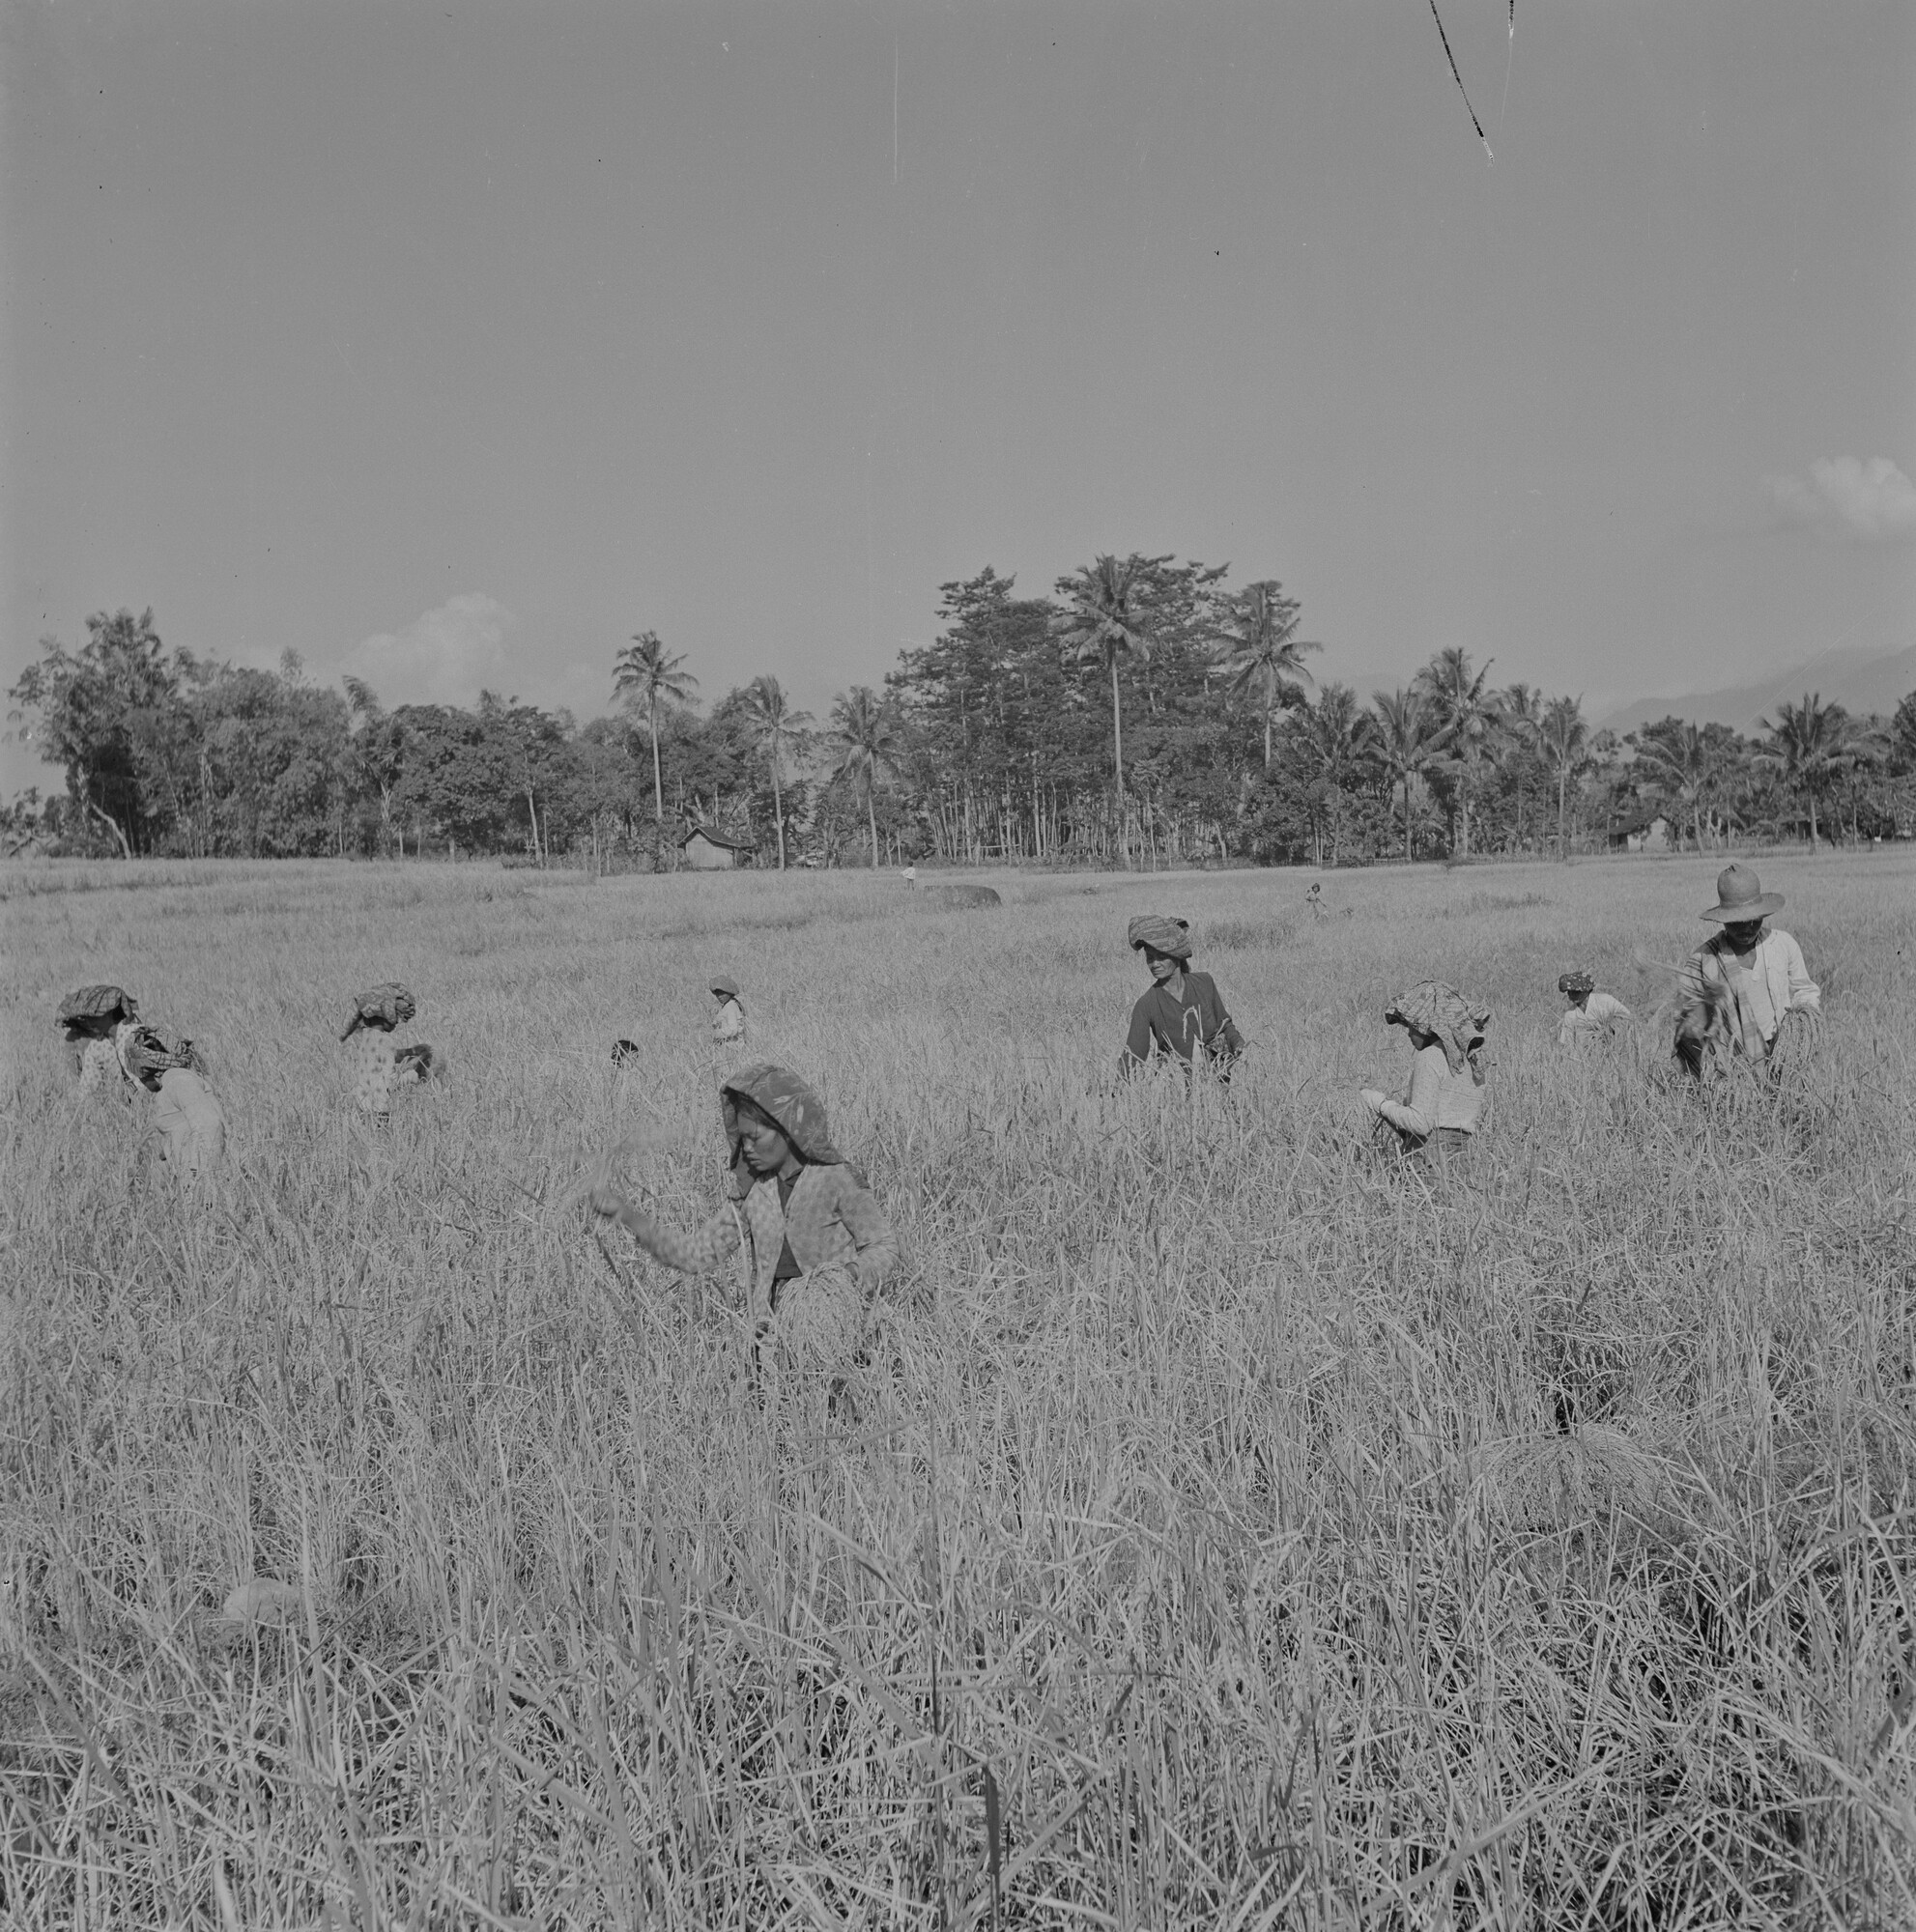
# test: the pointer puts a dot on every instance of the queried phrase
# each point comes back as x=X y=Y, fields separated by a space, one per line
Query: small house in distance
x=708 y=851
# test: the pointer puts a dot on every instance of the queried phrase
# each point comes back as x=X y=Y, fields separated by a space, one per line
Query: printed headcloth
x=1169 y=936
x=145 y=1055
x=1579 y=981
x=388 y=1005
x=98 y=1003
x=1457 y=1023
x=789 y=1104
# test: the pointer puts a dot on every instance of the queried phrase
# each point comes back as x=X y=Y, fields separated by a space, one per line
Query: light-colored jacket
x=1438 y=1097
x=1713 y=1008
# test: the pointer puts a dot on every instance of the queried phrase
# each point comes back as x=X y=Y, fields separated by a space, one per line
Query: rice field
x=1226 y=1528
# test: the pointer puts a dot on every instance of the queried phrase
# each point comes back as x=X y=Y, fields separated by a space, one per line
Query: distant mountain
x=1860 y=681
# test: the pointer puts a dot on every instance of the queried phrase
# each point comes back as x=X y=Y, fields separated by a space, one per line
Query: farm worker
x=1590 y=1017
x=728 y=1021
x=815 y=1241
x=1445 y=1095
x=1314 y=900
x=89 y=1020
x=188 y=1117
x=1182 y=1014
x=376 y=1066
x=1737 y=990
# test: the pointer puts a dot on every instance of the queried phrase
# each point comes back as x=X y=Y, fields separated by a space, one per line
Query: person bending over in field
x=90 y=1021
x=727 y=1018
x=187 y=1114
x=1737 y=990
x=376 y=1064
x=1441 y=1109
x=1590 y=1017
x=815 y=1242
x=1181 y=1016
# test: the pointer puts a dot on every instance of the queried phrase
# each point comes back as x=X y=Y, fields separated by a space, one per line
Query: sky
x=453 y=345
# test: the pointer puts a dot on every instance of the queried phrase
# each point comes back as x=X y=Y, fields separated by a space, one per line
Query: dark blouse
x=1162 y=1024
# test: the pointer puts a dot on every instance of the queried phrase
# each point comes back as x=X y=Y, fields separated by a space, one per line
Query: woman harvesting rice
x=376 y=1066
x=1445 y=1095
x=1181 y=1016
x=1590 y=1017
x=815 y=1242
x=187 y=1116
x=89 y=1020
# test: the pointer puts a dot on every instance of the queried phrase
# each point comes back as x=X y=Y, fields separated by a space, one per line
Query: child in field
x=1590 y=1017
x=89 y=1020
x=815 y=1242
x=376 y=1066
x=1182 y=1017
x=187 y=1116
x=1441 y=1110
x=1739 y=988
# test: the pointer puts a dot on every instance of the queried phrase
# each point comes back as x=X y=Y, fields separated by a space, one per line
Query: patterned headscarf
x=1577 y=982
x=1457 y=1023
x=783 y=1099
x=388 y=1005
x=1169 y=936
x=144 y=1055
x=77 y=1010
x=725 y=987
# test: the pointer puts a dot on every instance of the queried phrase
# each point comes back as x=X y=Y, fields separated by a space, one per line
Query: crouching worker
x=376 y=1064
x=1441 y=1109
x=187 y=1114
x=1182 y=1017
x=89 y=1021
x=1739 y=987
x=815 y=1242
x=1590 y=1017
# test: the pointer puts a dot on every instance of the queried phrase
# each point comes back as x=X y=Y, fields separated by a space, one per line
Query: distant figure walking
x=1737 y=990
x=1590 y=1017
x=1314 y=900
x=89 y=1020
x=378 y=1067
x=1440 y=1111
x=186 y=1115
x=815 y=1242
x=1182 y=1017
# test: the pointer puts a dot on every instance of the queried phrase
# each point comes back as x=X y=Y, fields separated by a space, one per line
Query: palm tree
x=1264 y=648
x=774 y=725
x=1468 y=716
x=1106 y=622
x=867 y=743
x=1565 y=739
x=1407 y=742
x=642 y=674
x=1680 y=758
x=1336 y=740
x=1808 y=744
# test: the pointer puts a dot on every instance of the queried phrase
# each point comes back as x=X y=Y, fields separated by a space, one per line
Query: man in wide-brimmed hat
x=1739 y=987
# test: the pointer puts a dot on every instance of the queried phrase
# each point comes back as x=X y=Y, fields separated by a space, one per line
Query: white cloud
x=1865 y=501
x=447 y=656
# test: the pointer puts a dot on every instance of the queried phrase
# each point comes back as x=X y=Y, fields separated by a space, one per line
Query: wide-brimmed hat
x=725 y=987
x=1740 y=898
x=1169 y=936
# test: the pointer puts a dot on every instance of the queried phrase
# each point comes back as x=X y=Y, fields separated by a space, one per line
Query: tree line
x=1146 y=713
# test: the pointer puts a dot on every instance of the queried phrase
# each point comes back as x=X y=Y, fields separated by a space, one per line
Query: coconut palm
x=1468 y=714
x=643 y=674
x=1564 y=736
x=774 y=725
x=1808 y=744
x=1407 y=742
x=1680 y=760
x=868 y=744
x=1335 y=739
x=1262 y=648
x=1107 y=621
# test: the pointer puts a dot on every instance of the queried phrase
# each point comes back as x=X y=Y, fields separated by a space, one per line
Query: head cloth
x=1169 y=936
x=1579 y=981
x=789 y=1104
x=388 y=1005
x=1457 y=1023
x=97 y=1003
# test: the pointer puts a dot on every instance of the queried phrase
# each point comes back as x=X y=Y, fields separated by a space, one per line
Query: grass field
x=1231 y=1531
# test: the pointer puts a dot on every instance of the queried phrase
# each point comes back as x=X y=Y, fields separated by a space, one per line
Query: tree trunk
x=113 y=826
x=1267 y=731
x=1117 y=733
x=778 y=808
x=658 y=785
x=872 y=819
x=1407 y=818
